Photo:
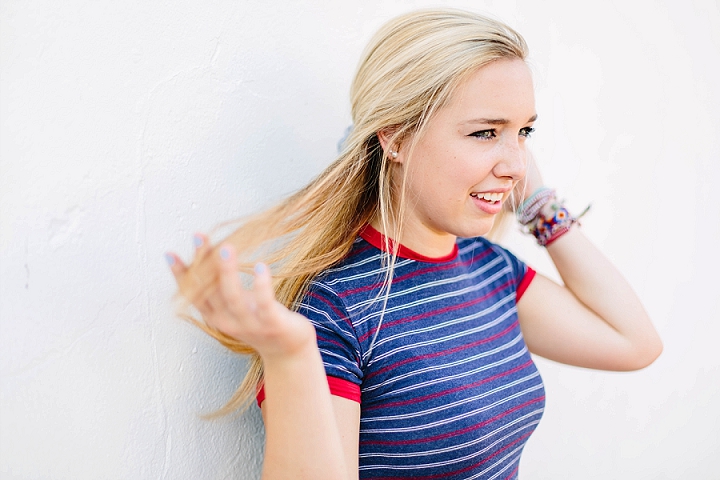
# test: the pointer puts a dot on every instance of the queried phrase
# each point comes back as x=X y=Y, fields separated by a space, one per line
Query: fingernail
x=197 y=240
x=224 y=253
x=169 y=259
x=260 y=268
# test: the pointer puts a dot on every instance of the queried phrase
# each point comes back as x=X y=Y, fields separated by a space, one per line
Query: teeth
x=490 y=197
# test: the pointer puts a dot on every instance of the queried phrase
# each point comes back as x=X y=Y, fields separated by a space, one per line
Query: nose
x=511 y=159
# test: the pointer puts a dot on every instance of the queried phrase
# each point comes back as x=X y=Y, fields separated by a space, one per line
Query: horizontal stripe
x=453 y=406
x=441 y=353
x=460 y=388
x=460 y=374
x=472 y=443
x=448 y=434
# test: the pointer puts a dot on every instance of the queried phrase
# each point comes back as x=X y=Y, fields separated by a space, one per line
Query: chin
x=478 y=229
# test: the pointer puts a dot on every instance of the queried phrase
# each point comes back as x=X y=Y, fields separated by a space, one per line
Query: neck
x=419 y=238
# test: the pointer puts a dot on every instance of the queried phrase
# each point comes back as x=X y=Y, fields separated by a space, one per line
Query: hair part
x=410 y=69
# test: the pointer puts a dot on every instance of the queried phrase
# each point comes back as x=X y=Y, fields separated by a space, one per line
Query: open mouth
x=488 y=197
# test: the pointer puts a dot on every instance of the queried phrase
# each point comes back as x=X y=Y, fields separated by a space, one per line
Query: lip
x=487 y=207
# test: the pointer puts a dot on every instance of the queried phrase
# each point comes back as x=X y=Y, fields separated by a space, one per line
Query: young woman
x=389 y=339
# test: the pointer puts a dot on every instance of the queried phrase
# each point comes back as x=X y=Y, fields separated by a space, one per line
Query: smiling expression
x=470 y=156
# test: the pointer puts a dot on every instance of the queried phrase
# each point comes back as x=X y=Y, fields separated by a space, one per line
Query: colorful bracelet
x=547 y=229
x=530 y=208
x=545 y=218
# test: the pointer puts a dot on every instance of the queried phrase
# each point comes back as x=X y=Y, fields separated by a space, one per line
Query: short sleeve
x=522 y=275
x=336 y=338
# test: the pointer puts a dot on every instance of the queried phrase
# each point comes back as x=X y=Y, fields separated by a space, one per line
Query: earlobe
x=385 y=136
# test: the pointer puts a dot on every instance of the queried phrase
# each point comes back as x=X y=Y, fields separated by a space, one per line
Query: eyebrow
x=498 y=121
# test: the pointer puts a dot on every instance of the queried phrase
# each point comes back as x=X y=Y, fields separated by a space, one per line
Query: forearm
x=302 y=437
x=600 y=287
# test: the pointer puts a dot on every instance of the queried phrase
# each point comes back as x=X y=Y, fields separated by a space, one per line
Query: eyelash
x=489 y=134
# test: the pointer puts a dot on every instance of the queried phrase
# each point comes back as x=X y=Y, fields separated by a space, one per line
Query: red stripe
x=377 y=239
x=462 y=431
x=524 y=283
x=338 y=387
x=337 y=312
x=360 y=250
x=452 y=390
x=450 y=308
x=344 y=388
x=329 y=340
x=443 y=352
x=513 y=473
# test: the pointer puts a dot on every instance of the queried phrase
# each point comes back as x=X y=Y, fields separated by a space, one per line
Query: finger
x=263 y=291
x=177 y=267
x=232 y=292
x=202 y=246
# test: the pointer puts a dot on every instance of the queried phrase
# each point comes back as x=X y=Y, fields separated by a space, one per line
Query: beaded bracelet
x=530 y=208
x=547 y=229
x=546 y=224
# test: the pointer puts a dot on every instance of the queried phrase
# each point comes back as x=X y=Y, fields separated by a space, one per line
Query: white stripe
x=450 y=378
x=347 y=266
x=515 y=453
x=455 y=321
x=438 y=341
x=445 y=463
x=461 y=416
x=376 y=272
x=426 y=301
x=471 y=443
x=446 y=281
x=483 y=472
x=341 y=368
x=332 y=321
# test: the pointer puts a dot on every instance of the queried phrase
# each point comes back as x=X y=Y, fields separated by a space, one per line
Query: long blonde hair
x=408 y=71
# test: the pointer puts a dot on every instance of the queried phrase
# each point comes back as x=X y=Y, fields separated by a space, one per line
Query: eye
x=527 y=132
x=484 y=134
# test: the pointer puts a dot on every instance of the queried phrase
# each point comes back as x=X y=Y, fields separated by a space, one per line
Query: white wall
x=127 y=126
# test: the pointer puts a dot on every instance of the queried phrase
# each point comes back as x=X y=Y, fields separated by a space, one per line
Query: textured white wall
x=127 y=126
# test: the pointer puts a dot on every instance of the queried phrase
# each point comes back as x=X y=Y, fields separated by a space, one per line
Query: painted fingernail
x=260 y=268
x=224 y=253
x=169 y=259
x=197 y=240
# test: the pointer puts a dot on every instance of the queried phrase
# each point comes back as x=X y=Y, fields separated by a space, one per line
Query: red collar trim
x=377 y=240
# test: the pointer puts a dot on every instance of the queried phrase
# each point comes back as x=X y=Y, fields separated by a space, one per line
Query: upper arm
x=347 y=418
x=557 y=326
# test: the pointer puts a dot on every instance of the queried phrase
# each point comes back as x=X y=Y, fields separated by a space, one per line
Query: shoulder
x=493 y=259
x=480 y=248
x=331 y=292
x=362 y=269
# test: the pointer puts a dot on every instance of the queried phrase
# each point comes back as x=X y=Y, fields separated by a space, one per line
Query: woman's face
x=469 y=158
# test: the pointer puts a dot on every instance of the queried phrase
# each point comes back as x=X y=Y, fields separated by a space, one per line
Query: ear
x=389 y=143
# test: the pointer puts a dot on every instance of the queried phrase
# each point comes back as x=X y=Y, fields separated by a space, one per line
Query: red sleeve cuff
x=338 y=387
x=524 y=283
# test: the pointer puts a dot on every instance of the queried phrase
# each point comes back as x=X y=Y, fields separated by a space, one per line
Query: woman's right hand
x=253 y=316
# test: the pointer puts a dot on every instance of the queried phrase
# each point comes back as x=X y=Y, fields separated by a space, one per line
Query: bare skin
x=593 y=320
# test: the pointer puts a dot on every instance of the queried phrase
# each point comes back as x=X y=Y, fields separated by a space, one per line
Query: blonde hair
x=408 y=71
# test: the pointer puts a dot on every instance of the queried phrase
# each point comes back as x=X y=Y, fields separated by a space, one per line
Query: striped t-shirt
x=447 y=387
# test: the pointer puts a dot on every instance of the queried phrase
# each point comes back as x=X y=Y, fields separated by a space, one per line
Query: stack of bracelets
x=545 y=217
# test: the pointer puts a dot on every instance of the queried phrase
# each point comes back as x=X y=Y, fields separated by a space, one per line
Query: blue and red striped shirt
x=447 y=387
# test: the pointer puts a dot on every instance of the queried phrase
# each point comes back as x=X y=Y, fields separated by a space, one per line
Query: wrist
x=546 y=218
x=298 y=350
